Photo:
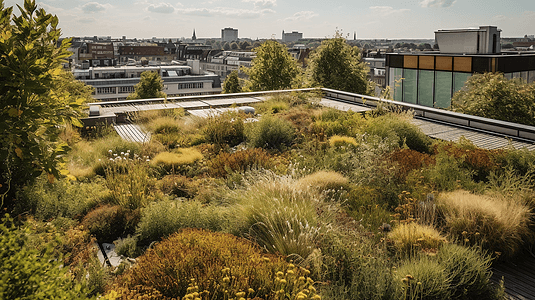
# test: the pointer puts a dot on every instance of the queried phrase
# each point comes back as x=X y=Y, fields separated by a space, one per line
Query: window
x=426 y=84
x=106 y=90
x=443 y=85
x=410 y=86
x=126 y=89
x=193 y=85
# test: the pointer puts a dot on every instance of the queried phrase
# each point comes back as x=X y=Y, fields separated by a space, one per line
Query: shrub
x=129 y=182
x=469 y=272
x=63 y=198
x=226 y=128
x=408 y=239
x=240 y=161
x=277 y=216
x=329 y=122
x=480 y=162
x=214 y=266
x=271 y=133
x=127 y=246
x=160 y=219
x=354 y=266
x=28 y=273
x=400 y=131
x=448 y=174
x=422 y=278
x=178 y=185
x=500 y=225
x=107 y=223
x=272 y=106
x=365 y=204
x=409 y=160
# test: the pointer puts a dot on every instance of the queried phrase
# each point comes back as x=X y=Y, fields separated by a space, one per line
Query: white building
x=116 y=83
x=291 y=36
x=227 y=62
x=485 y=40
x=229 y=34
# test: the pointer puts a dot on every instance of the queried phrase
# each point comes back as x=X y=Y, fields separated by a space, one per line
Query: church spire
x=194 y=37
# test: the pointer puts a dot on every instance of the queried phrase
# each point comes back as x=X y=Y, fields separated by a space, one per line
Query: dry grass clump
x=183 y=156
x=498 y=224
x=278 y=216
x=410 y=238
x=164 y=125
x=207 y=265
x=323 y=181
x=342 y=141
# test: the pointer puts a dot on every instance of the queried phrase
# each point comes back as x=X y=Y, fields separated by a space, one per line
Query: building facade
x=116 y=83
x=229 y=34
x=431 y=78
x=291 y=36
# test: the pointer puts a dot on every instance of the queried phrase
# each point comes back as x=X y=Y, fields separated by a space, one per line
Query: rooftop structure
x=432 y=78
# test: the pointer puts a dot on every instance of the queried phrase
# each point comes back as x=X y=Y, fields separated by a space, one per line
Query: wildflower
x=226 y=279
x=250 y=291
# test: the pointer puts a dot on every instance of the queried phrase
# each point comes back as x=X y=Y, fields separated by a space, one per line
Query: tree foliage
x=491 y=95
x=232 y=84
x=28 y=273
x=337 y=65
x=272 y=69
x=150 y=86
x=37 y=97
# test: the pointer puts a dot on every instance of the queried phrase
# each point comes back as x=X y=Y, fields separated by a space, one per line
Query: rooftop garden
x=299 y=201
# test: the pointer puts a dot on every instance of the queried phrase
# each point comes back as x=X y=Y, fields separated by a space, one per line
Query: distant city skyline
x=390 y=19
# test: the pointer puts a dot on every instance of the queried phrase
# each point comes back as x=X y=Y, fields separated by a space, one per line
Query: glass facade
x=443 y=85
x=459 y=79
x=426 y=86
x=395 y=77
x=410 y=85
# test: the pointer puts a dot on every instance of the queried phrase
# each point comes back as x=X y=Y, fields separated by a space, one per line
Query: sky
x=370 y=19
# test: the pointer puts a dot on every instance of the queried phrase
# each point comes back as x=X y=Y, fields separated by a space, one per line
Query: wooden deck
x=132 y=133
x=518 y=277
x=480 y=139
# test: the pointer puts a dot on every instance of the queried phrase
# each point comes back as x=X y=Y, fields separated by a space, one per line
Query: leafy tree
x=37 y=97
x=337 y=65
x=491 y=95
x=232 y=83
x=150 y=86
x=272 y=69
x=244 y=45
x=31 y=274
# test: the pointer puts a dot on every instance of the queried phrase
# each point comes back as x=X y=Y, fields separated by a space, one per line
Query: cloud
x=437 y=3
x=259 y=4
x=94 y=7
x=384 y=11
x=499 y=18
x=86 y=20
x=162 y=8
x=302 y=15
x=225 y=12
